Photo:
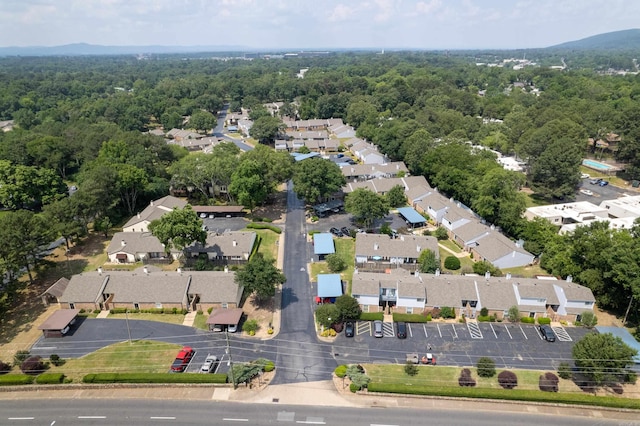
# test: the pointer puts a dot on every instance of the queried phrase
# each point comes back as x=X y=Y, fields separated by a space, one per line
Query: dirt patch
x=275 y=207
x=606 y=319
x=264 y=313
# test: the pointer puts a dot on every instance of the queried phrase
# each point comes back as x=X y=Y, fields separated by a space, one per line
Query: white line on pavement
x=508 y=332
x=494 y=330
x=20 y=418
x=162 y=418
x=455 y=333
x=92 y=417
x=235 y=420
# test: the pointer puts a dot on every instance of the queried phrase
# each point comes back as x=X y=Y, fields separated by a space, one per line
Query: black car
x=345 y=231
x=349 y=329
x=336 y=232
x=547 y=332
x=402 y=330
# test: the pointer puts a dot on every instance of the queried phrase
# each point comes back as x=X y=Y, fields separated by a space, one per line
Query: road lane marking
x=162 y=418
x=92 y=417
x=523 y=333
x=508 y=332
x=235 y=420
x=410 y=332
x=494 y=330
x=20 y=418
x=455 y=333
x=424 y=327
x=439 y=331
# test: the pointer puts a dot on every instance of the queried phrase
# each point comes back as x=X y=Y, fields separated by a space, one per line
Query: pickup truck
x=182 y=359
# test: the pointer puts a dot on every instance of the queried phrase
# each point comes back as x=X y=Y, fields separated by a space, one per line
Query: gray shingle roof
x=405 y=246
x=135 y=242
x=155 y=287
x=228 y=244
x=83 y=288
x=214 y=286
x=156 y=209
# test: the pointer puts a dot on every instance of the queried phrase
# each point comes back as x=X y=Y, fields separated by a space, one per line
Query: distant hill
x=79 y=49
x=617 y=40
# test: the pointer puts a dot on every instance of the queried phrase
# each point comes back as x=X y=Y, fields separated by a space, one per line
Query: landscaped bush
x=483 y=318
x=544 y=321
x=354 y=388
x=20 y=357
x=447 y=312
x=341 y=371
x=452 y=263
x=15 y=379
x=484 y=312
x=630 y=377
x=210 y=310
x=465 y=378
x=507 y=379
x=335 y=262
x=4 y=367
x=588 y=319
x=264 y=226
x=371 y=316
x=56 y=360
x=33 y=365
x=441 y=233
x=435 y=313
x=50 y=378
x=329 y=332
x=410 y=368
x=154 y=378
x=486 y=367
x=548 y=382
x=411 y=318
x=250 y=326
x=527 y=320
x=564 y=370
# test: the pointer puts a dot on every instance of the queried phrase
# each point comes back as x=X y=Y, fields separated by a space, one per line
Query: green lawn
x=140 y=356
x=526 y=271
x=169 y=318
x=201 y=321
x=450 y=245
x=268 y=239
x=346 y=248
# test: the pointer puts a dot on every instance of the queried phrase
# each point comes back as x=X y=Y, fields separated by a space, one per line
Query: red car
x=182 y=360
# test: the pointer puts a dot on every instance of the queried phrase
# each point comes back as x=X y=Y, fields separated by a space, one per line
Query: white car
x=210 y=364
x=232 y=328
x=585 y=176
x=203 y=215
x=586 y=192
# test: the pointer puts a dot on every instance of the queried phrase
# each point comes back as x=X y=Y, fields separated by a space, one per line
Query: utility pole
x=126 y=316
x=628 y=309
x=230 y=363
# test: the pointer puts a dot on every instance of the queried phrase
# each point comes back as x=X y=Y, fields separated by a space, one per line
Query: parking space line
x=538 y=333
x=562 y=334
x=474 y=330
x=409 y=328
x=494 y=331
x=455 y=333
x=523 y=333
x=439 y=331
x=388 y=329
x=508 y=332
x=363 y=327
x=424 y=327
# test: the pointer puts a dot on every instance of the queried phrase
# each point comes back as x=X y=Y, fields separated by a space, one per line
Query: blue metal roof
x=410 y=214
x=323 y=243
x=299 y=157
x=623 y=334
x=329 y=285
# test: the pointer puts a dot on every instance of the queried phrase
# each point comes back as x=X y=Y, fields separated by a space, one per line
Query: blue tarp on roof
x=621 y=333
x=323 y=244
x=411 y=215
x=329 y=285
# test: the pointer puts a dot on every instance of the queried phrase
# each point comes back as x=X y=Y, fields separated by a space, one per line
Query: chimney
x=138 y=214
x=180 y=271
x=508 y=275
x=123 y=243
x=100 y=271
x=375 y=246
x=418 y=248
x=226 y=269
x=146 y=270
x=437 y=272
x=355 y=270
x=235 y=243
x=487 y=275
x=151 y=203
x=569 y=278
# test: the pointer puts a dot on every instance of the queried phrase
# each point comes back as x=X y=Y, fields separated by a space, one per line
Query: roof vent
x=99 y=271
x=146 y=270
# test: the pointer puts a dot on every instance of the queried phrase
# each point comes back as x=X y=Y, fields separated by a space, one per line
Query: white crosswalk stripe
x=387 y=329
x=474 y=330
x=562 y=334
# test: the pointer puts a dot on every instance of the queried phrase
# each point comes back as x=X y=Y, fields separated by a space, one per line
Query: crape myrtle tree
x=260 y=276
x=316 y=178
x=178 y=229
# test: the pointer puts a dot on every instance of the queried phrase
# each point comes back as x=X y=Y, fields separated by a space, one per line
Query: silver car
x=377 y=328
x=210 y=364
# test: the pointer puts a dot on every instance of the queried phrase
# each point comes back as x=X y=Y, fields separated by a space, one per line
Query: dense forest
x=83 y=121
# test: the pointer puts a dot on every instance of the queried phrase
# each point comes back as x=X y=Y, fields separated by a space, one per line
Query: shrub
x=544 y=321
x=264 y=226
x=269 y=366
x=630 y=377
x=452 y=263
x=210 y=310
x=465 y=378
x=484 y=312
x=507 y=379
x=341 y=371
x=548 y=382
x=486 y=367
x=441 y=233
x=56 y=360
x=154 y=378
x=250 y=325
x=4 y=367
x=564 y=370
x=527 y=320
x=482 y=318
x=33 y=365
x=20 y=357
x=329 y=332
x=371 y=316
x=588 y=319
x=354 y=388
x=335 y=262
x=447 y=312
x=16 y=379
x=50 y=378
x=410 y=368
x=513 y=313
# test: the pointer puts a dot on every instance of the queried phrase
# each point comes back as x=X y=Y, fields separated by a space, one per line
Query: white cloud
x=427 y=8
x=341 y=13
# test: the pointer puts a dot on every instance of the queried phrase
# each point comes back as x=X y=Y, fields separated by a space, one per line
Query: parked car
x=585 y=176
x=586 y=192
x=232 y=328
x=595 y=181
x=336 y=232
x=346 y=231
x=210 y=364
x=402 y=330
x=603 y=183
x=203 y=215
x=182 y=359
x=349 y=329
x=377 y=328
x=547 y=332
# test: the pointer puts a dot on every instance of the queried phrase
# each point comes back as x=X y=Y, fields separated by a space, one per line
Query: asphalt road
x=218 y=131
x=600 y=193
x=144 y=412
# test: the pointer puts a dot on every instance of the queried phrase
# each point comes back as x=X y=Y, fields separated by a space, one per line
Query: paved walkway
x=103 y=314
x=456 y=254
x=190 y=318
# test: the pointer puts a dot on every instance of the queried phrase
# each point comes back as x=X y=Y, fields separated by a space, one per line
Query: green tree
x=514 y=314
x=588 y=319
x=486 y=367
x=484 y=266
x=63 y=218
x=396 y=197
x=266 y=128
x=316 y=178
x=178 y=229
x=441 y=233
x=498 y=199
x=452 y=263
x=248 y=184
x=335 y=262
x=410 y=369
x=348 y=308
x=602 y=357
x=428 y=262
x=327 y=314
x=260 y=277
x=202 y=120
x=366 y=206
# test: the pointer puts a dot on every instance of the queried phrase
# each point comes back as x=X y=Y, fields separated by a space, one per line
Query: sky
x=313 y=24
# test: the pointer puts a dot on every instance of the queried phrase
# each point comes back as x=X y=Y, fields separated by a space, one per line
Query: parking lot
x=340 y=220
x=461 y=344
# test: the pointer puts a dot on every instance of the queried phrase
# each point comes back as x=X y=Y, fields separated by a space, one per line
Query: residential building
x=155 y=210
x=380 y=252
x=228 y=248
x=131 y=247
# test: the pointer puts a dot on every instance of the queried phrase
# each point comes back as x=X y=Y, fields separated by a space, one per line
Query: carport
x=220 y=211
x=412 y=217
x=58 y=321
x=329 y=287
x=323 y=245
x=324 y=209
x=627 y=338
x=223 y=317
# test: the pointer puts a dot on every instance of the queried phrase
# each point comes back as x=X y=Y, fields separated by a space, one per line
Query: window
x=72 y=305
x=158 y=305
x=136 y=306
x=409 y=309
x=420 y=299
x=365 y=308
x=225 y=306
x=532 y=314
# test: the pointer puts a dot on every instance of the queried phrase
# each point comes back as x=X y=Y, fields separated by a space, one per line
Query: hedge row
x=371 y=316
x=545 y=321
x=527 y=320
x=512 y=394
x=172 y=311
x=411 y=317
x=15 y=379
x=264 y=226
x=50 y=378
x=154 y=378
